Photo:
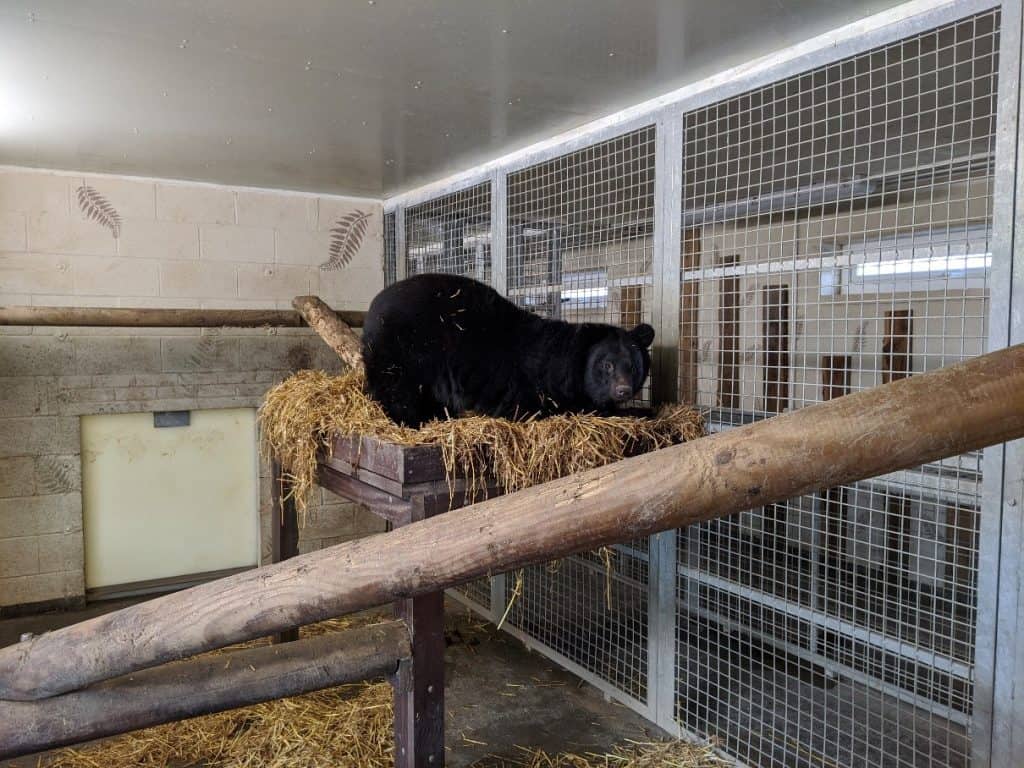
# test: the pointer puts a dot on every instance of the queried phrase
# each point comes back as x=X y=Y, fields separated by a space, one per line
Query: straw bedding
x=352 y=725
x=349 y=726
x=300 y=415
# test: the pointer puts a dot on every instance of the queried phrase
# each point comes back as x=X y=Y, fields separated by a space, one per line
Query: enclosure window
x=835 y=236
x=923 y=261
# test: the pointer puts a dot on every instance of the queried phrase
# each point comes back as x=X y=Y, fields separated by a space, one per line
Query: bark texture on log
x=332 y=329
x=201 y=686
x=904 y=424
x=127 y=317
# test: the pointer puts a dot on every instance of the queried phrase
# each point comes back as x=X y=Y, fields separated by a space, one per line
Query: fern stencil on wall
x=205 y=353
x=97 y=208
x=57 y=475
x=346 y=237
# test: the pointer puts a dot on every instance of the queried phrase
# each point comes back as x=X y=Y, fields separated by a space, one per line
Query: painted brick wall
x=177 y=245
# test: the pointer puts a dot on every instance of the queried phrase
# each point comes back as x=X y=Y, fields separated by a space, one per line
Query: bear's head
x=617 y=365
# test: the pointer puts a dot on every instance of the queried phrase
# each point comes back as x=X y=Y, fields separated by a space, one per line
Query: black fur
x=438 y=345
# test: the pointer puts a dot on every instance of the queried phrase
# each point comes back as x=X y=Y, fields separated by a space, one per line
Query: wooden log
x=332 y=329
x=909 y=422
x=127 y=317
x=200 y=686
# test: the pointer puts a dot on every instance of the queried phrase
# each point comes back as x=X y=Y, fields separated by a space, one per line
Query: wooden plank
x=631 y=311
x=898 y=345
x=403 y=464
x=284 y=531
x=380 y=482
x=897 y=541
x=729 y=336
x=688 y=317
x=458 y=486
x=835 y=376
x=961 y=408
x=962 y=545
x=835 y=382
x=392 y=508
x=201 y=686
x=775 y=327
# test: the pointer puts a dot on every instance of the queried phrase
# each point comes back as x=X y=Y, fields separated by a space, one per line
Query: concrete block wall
x=177 y=245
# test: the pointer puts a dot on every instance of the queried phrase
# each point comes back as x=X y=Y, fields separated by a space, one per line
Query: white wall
x=179 y=245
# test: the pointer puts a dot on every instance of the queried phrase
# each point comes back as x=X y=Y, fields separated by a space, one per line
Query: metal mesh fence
x=836 y=231
x=452 y=234
x=579 y=243
x=390 y=250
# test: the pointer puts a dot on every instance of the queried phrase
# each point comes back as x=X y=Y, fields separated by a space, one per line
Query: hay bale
x=300 y=416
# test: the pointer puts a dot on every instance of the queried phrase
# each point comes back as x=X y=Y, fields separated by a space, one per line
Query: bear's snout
x=622 y=391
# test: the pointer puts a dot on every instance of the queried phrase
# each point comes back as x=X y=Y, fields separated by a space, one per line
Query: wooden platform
x=401 y=484
x=388 y=478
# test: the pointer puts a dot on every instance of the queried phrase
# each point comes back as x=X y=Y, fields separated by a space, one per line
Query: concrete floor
x=499 y=695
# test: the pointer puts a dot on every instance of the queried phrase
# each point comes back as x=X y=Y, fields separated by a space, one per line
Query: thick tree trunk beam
x=904 y=424
x=124 y=317
x=332 y=329
x=201 y=686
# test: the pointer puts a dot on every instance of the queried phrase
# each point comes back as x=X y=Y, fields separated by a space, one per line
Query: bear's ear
x=643 y=335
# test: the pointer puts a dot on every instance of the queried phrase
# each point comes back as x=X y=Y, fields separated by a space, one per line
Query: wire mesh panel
x=579 y=245
x=836 y=231
x=452 y=234
x=390 y=252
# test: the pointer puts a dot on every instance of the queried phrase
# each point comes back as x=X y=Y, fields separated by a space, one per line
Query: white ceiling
x=366 y=97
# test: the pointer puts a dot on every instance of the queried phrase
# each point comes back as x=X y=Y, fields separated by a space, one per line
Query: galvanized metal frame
x=999 y=656
x=401 y=263
x=662 y=607
x=998 y=719
x=886 y=27
x=499 y=281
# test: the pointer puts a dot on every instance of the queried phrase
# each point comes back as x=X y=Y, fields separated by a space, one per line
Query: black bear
x=441 y=345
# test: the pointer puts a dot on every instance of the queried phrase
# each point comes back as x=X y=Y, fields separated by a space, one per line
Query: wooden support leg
x=284 y=528
x=419 y=685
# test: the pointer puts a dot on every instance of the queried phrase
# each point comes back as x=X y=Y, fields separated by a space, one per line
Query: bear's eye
x=608 y=366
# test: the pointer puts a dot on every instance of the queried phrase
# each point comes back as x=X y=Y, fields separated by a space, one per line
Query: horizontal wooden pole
x=124 y=317
x=900 y=425
x=200 y=686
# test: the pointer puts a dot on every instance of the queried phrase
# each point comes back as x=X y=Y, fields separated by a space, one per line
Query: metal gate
x=836 y=236
x=824 y=221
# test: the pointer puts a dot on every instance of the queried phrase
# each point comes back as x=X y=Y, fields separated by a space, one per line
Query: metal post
x=499 y=229
x=401 y=257
x=499 y=281
x=998 y=715
x=668 y=201
x=556 y=247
